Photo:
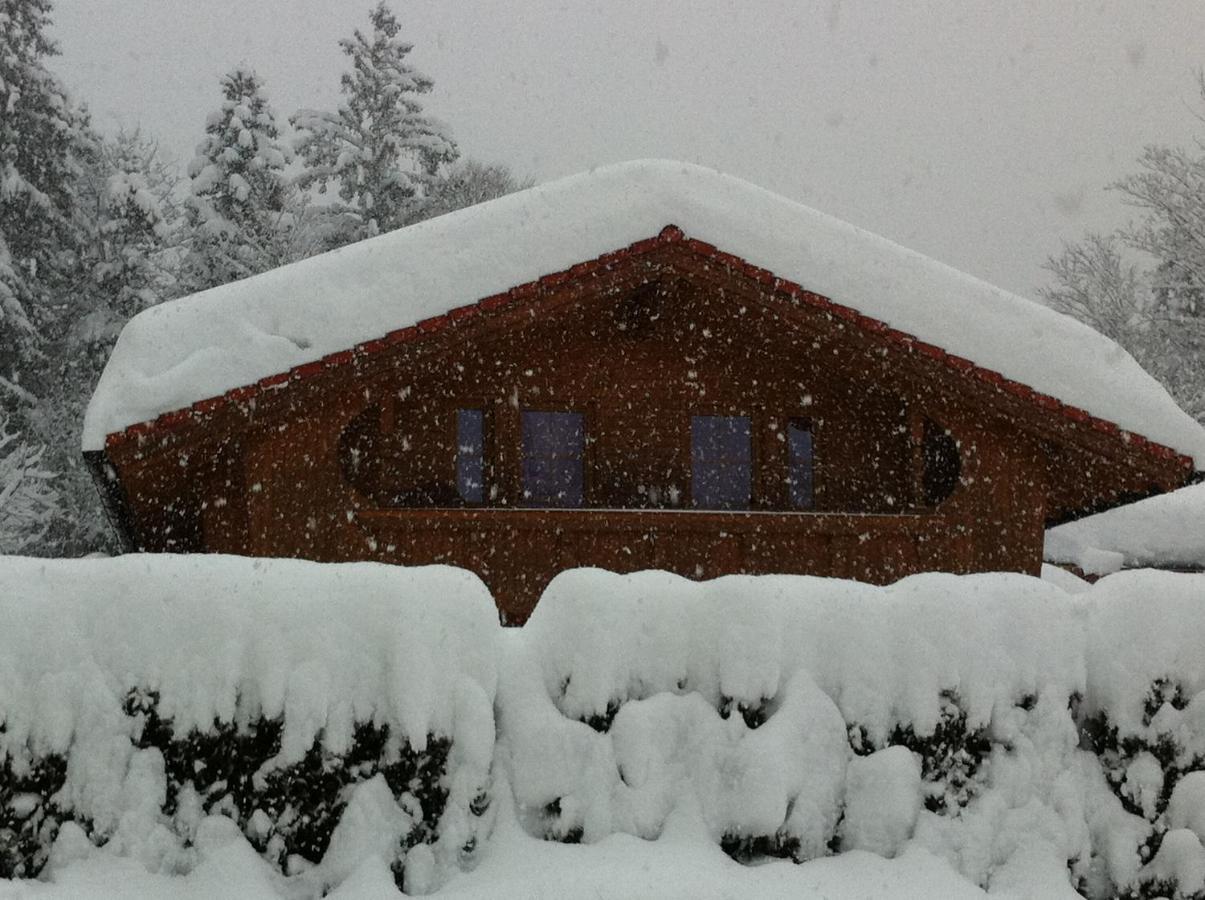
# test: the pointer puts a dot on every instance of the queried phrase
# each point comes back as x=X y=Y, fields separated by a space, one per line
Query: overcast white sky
x=978 y=132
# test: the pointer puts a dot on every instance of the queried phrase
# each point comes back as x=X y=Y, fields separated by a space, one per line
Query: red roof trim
x=273 y=381
x=498 y=301
x=304 y=371
x=434 y=324
x=670 y=234
x=369 y=348
x=239 y=394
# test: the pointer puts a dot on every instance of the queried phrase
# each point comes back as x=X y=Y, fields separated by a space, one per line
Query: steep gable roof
x=182 y=357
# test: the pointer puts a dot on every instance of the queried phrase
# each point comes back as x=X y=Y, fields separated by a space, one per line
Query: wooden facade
x=917 y=460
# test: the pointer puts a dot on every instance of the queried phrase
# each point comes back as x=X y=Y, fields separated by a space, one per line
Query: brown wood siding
x=359 y=463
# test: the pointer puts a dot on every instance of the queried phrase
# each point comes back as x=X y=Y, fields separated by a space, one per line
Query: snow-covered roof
x=1167 y=531
x=202 y=346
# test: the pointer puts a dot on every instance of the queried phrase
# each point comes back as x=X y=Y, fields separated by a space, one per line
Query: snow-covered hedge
x=157 y=705
x=797 y=717
x=329 y=711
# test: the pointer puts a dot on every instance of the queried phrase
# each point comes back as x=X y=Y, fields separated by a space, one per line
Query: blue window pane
x=470 y=455
x=800 y=464
x=552 y=458
x=721 y=462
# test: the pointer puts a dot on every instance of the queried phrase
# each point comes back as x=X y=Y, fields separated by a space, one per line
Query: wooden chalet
x=668 y=403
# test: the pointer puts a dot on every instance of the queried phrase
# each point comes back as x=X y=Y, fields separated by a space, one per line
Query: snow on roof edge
x=203 y=345
x=1167 y=530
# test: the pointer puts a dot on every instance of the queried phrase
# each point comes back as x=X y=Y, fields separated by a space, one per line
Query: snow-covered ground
x=944 y=736
x=516 y=866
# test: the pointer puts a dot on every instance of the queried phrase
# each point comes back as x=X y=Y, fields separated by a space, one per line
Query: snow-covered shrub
x=951 y=755
x=322 y=715
x=29 y=816
x=627 y=698
x=145 y=700
x=290 y=812
x=1145 y=722
x=1144 y=769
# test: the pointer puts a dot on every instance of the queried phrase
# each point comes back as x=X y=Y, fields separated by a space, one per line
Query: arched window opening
x=942 y=464
x=358 y=446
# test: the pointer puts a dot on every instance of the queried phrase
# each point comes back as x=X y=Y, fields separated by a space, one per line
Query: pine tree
x=125 y=213
x=131 y=253
x=28 y=500
x=42 y=135
x=379 y=149
x=242 y=207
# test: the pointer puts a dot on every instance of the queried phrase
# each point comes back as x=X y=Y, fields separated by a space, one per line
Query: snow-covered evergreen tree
x=29 y=503
x=241 y=207
x=42 y=135
x=132 y=252
x=379 y=150
x=125 y=213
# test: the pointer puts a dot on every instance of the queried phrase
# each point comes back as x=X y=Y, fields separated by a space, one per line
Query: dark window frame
x=807 y=424
x=484 y=461
x=750 y=500
x=583 y=460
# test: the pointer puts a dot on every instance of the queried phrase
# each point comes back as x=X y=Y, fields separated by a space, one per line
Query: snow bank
x=1165 y=531
x=201 y=346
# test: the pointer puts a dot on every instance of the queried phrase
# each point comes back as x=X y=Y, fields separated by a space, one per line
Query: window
x=800 y=464
x=721 y=462
x=470 y=455
x=942 y=464
x=552 y=458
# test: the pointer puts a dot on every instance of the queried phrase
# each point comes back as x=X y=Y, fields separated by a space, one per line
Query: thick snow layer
x=882 y=654
x=1147 y=625
x=1167 y=531
x=516 y=866
x=1068 y=581
x=220 y=637
x=200 y=346
x=882 y=801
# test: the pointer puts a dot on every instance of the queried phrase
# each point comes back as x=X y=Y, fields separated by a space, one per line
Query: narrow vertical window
x=721 y=459
x=800 y=465
x=553 y=444
x=470 y=455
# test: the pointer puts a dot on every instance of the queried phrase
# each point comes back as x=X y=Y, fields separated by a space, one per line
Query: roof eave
x=112 y=498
